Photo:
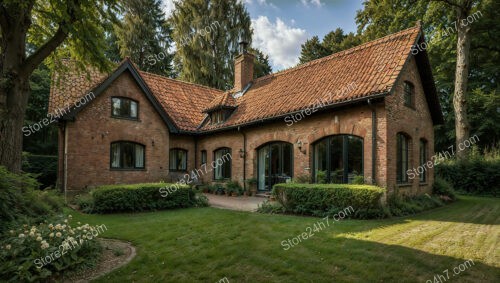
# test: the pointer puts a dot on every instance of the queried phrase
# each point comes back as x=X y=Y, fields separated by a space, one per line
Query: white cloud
x=168 y=7
x=316 y=3
x=279 y=41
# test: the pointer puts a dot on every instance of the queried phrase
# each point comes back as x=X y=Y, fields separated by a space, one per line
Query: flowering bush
x=47 y=250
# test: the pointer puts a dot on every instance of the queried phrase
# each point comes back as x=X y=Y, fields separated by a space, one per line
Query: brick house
x=366 y=112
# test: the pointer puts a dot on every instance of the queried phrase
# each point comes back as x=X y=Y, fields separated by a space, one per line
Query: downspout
x=374 y=139
x=65 y=162
x=244 y=158
x=195 y=154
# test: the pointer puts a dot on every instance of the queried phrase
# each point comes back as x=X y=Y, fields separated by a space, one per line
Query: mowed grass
x=208 y=244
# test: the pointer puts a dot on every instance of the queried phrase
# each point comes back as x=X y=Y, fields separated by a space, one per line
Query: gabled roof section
x=366 y=71
x=221 y=101
x=183 y=101
x=180 y=104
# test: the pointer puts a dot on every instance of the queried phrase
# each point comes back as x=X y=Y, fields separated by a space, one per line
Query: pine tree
x=261 y=63
x=144 y=36
x=206 y=34
x=312 y=49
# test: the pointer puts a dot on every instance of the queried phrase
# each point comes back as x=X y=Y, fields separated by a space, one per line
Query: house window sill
x=423 y=184
x=404 y=185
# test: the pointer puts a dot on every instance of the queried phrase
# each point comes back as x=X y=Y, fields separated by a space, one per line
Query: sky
x=281 y=26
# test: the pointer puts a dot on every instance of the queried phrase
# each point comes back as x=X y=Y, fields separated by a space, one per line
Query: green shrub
x=20 y=199
x=37 y=253
x=270 y=207
x=234 y=187
x=442 y=188
x=321 y=177
x=476 y=175
x=44 y=166
x=142 y=197
x=326 y=199
x=401 y=206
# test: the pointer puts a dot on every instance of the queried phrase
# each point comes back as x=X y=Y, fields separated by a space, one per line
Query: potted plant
x=252 y=183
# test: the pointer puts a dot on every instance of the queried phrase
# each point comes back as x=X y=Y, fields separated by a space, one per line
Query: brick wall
x=90 y=136
x=416 y=123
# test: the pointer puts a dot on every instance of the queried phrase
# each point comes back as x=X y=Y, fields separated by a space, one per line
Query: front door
x=275 y=163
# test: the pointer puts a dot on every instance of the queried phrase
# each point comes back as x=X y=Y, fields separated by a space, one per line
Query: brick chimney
x=243 y=68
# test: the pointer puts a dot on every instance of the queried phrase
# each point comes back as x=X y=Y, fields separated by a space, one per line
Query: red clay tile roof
x=73 y=85
x=357 y=73
x=223 y=100
x=183 y=102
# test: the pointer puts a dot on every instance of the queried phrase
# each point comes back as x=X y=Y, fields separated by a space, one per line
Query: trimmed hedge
x=327 y=199
x=475 y=176
x=140 y=197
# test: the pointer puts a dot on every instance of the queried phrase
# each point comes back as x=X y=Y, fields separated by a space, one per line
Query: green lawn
x=207 y=244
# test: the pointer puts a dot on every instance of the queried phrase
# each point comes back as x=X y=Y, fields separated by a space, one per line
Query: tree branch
x=35 y=59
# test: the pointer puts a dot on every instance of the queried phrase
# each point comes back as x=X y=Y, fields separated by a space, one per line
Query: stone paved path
x=241 y=203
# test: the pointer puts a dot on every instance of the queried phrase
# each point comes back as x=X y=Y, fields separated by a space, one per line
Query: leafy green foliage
x=261 y=63
x=20 y=199
x=476 y=175
x=401 y=206
x=206 y=34
x=442 y=188
x=47 y=250
x=324 y=199
x=44 y=166
x=140 y=197
x=334 y=41
x=270 y=208
x=144 y=36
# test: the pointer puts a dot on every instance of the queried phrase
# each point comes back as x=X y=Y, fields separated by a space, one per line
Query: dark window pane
x=423 y=159
x=336 y=159
x=222 y=161
x=355 y=157
x=320 y=159
x=203 y=157
x=127 y=155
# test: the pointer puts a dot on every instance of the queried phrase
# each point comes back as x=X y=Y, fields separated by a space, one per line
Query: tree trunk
x=13 y=102
x=461 y=79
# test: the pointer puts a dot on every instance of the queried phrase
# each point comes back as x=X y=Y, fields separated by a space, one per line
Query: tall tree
x=455 y=31
x=206 y=35
x=46 y=24
x=144 y=36
x=312 y=49
x=261 y=63
x=334 y=41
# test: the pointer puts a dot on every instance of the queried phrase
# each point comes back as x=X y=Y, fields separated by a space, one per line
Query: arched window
x=222 y=162
x=275 y=164
x=423 y=160
x=338 y=159
x=122 y=107
x=127 y=155
x=409 y=94
x=178 y=159
x=402 y=162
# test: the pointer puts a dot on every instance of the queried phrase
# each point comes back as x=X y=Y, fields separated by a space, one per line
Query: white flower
x=58 y=234
x=69 y=216
x=44 y=245
x=12 y=232
x=85 y=237
x=78 y=223
x=38 y=239
x=32 y=234
x=58 y=227
x=65 y=220
x=21 y=235
x=51 y=235
x=7 y=247
x=51 y=226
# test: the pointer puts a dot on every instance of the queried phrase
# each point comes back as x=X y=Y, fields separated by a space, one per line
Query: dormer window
x=217 y=117
x=122 y=107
